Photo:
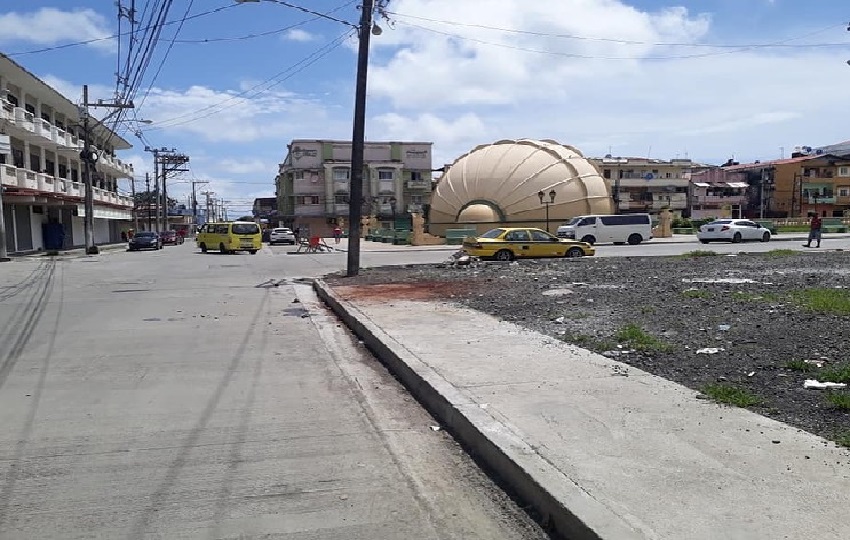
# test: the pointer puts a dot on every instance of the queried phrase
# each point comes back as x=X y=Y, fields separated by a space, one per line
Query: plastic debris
x=817 y=385
x=710 y=350
x=560 y=320
x=724 y=327
x=435 y=428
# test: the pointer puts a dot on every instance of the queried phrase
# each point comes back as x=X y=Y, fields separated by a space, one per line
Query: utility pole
x=195 y=201
x=761 y=193
x=165 y=161
x=156 y=191
x=89 y=159
x=148 y=191
x=357 y=141
x=135 y=205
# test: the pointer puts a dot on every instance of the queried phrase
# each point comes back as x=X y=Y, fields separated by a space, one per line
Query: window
x=586 y=221
x=669 y=175
x=341 y=199
x=341 y=175
x=540 y=236
x=385 y=175
x=844 y=171
x=493 y=233
x=416 y=176
x=844 y=192
x=220 y=229
x=606 y=174
x=626 y=219
x=246 y=228
x=517 y=236
x=298 y=175
x=416 y=199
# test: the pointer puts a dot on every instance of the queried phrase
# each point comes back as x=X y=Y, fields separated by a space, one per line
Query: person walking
x=337 y=234
x=815 y=224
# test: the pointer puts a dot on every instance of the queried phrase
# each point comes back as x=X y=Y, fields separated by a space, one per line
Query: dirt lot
x=747 y=330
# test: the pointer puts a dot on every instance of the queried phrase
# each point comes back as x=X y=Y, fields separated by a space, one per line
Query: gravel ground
x=773 y=320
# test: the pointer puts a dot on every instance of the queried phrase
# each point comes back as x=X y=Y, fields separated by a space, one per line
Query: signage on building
x=417 y=153
x=298 y=153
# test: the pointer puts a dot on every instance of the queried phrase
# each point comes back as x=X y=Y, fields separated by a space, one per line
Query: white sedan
x=732 y=230
x=282 y=235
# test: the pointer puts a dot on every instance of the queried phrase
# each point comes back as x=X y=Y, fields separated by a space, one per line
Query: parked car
x=282 y=235
x=145 y=240
x=171 y=238
x=506 y=244
x=732 y=230
x=619 y=229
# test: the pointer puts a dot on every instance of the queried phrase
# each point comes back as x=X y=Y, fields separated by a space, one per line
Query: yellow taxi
x=507 y=244
x=230 y=237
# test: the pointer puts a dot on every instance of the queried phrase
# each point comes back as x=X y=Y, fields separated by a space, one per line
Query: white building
x=43 y=177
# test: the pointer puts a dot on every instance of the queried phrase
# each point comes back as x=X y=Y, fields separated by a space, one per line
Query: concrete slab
x=602 y=454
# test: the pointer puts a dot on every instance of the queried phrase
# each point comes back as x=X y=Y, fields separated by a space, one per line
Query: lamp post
x=546 y=203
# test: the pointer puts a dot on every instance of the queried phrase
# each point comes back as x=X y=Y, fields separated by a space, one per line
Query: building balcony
x=309 y=210
x=27 y=179
x=414 y=208
x=720 y=199
x=653 y=183
x=418 y=184
x=340 y=209
x=8 y=175
x=819 y=200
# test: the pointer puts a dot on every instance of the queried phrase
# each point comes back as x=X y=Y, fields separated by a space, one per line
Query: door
x=520 y=243
x=750 y=231
x=587 y=227
x=545 y=245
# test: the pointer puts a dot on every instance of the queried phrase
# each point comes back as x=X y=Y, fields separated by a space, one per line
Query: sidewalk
x=72 y=251
x=598 y=454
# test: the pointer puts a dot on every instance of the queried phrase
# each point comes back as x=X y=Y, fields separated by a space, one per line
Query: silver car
x=281 y=236
x=732 y=230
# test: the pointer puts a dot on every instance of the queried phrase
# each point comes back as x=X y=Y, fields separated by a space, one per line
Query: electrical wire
x=596 y=57
x=273 y=81
x=311 y=12
x=118 y=35
x=619 y=41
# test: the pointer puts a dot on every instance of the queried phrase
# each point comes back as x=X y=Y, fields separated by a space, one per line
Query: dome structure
x=499 y=183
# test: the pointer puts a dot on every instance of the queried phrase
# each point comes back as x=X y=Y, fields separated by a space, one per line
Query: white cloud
x=249 y=166
x=597 y=92
x=297 y=34
x=49 y=26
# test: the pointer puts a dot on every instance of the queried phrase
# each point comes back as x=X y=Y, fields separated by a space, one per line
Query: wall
x=101 y=231
x=36 y=221
x=78 y=229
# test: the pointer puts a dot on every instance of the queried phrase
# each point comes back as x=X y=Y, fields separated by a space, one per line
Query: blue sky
x=631 y=77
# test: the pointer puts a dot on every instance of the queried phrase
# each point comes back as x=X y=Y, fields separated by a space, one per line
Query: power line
x=118 y=35
x=620 y=41
x=311 y=12
x=273 y=81
x=597 y=57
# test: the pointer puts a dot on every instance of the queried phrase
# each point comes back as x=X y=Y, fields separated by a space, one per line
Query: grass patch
x=589 y=342
x=780 y=252
x=800 y=365
x=698 y=253
x=842 y=439
x=636 y=338
x=835 y=301
x=839 y=400
x=792 y=228
x=730 y=395
x=696 y=293
x=836 y=374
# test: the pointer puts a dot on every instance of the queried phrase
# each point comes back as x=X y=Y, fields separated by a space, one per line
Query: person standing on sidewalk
x=337 y=234
x=815 y=224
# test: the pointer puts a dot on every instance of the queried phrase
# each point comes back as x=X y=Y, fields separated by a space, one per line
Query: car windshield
x=573 y=221
x=281 y=230
x=245 y=228
x=145 y=235
x=493 y=233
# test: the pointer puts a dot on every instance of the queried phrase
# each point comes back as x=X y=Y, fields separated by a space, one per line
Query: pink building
x=718 y=193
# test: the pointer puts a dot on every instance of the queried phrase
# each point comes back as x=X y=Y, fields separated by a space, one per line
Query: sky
x=233 y=83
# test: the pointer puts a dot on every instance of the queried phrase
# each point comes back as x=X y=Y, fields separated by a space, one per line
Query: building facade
x=43 y=177
x=646 y=185
x=265 y=211
x=716 y=193
x=798 y=185
x=313 y=184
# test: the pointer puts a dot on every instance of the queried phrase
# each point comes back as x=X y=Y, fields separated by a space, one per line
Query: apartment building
x=795 y=186
x=42 y=175
x=646 y=185
x=313 y=184
x=716 y=193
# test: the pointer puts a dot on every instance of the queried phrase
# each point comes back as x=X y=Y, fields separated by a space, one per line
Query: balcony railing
x=819 y=200
x=414 y=208
x=8 y=175
x=418 y=184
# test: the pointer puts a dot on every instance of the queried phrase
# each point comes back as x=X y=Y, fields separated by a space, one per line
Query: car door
x=750 y=230
x=587 y=227
x=545 y=245
x=519 y=242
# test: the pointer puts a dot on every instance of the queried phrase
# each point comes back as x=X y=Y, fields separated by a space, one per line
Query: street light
x=551 y=200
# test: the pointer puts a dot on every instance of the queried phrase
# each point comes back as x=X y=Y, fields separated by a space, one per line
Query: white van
x=631 y=228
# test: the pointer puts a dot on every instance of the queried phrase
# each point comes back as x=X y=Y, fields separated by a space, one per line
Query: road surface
x=175 y=394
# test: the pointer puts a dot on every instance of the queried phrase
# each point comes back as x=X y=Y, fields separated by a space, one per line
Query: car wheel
x=736 y=239
x=765 y=237
x=504 y=255
x=575 y=252
x=704 y=241
x=203 y=247
x=589 y=239
x=222 y=249
x=252 y=251
x=635 y=239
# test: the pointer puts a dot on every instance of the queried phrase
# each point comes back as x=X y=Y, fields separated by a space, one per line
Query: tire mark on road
x=8 y=490
x=159 y=497
x=24 y=325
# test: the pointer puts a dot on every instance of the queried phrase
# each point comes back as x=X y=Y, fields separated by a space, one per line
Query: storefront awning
x=701 y=184
x=737 y=184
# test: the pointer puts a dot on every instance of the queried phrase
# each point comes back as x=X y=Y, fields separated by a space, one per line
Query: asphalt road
x=175 y=394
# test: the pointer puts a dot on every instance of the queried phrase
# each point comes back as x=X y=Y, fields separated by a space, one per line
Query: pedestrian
x=814 y=229
x=337 y=234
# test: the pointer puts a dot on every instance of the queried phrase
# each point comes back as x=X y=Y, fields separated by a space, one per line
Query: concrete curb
x=565 y=508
